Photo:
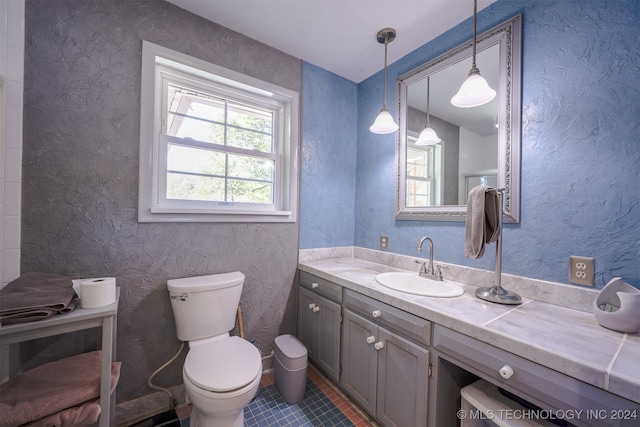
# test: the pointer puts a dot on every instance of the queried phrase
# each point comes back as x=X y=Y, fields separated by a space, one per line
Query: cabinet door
x=403 y=369
x=327 y=353
x=359 y=360
x=306 y=324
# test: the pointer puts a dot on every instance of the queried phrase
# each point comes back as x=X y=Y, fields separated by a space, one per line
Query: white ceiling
x=337 y=35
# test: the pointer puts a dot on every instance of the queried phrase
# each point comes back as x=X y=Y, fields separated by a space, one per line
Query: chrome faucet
x=428 y=272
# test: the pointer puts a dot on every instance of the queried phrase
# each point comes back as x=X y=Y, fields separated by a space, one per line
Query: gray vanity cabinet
x=386 y=373
x=360 y=360
x=583 y=404
x=319 y=322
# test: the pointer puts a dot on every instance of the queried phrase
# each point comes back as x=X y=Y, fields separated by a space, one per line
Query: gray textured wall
x=80 y=176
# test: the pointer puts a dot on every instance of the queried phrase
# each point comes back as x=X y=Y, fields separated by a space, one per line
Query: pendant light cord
x=428 y=120
x=475 y=17
x=384 y=88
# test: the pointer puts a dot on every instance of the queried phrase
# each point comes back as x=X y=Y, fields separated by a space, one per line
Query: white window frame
x=158 y=61
x=435 y=180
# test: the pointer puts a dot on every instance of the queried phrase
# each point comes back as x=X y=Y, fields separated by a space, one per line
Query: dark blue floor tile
x=269 y=409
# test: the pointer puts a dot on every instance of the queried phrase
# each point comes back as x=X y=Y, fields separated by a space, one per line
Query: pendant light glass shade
x=428 y=136
x=475 y=90
x=384 y=122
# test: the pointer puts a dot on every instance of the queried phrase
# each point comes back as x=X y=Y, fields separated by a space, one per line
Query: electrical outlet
x=384 y=242
x=581 y=270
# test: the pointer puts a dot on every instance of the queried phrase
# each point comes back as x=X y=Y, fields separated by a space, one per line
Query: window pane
x=187 y=127
x=194 y=187
x=419 y=162
x=418 y=192
x=250 y=140
x=250 y=128
x=251 y=118
x=195 y=160
x=193 y=103
x=250 y=191
x=251 y=167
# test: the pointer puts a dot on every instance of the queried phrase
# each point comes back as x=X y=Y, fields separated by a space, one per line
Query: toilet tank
x=205 y=306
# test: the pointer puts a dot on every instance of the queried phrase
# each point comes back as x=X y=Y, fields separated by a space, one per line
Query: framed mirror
x=479 y=145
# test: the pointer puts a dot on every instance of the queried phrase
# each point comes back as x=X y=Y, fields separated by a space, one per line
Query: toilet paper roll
x=97 y=292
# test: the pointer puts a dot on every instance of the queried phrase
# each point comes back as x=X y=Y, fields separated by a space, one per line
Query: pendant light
x=384 y=122
x=428 y=135
x=475 y=90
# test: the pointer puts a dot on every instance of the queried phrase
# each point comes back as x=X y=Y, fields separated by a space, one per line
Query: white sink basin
x=412 y=283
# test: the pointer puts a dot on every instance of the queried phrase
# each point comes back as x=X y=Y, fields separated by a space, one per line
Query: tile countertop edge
x=359 y=276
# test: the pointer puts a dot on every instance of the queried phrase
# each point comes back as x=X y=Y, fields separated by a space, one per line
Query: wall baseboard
x=136 y=410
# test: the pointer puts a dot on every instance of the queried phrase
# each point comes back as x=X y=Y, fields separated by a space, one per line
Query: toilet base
x=198 y=419
x=223 y=410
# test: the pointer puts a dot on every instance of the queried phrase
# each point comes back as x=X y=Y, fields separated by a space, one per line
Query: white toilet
x=221 y=373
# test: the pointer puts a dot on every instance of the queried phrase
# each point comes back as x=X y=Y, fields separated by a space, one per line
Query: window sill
x=162 y=214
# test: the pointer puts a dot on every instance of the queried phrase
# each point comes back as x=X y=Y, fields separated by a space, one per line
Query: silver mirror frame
x=508 y=36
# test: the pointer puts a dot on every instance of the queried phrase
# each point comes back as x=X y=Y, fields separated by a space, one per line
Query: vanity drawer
x=535 y=383
x=411 y=326
x=320 y=286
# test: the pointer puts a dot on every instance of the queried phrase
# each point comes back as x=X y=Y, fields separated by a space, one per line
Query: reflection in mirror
x=480 y=145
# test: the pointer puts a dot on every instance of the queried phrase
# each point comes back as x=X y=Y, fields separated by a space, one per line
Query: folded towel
x=85 y=414
x=36 y=296
x=53 y=387
x=482 y=224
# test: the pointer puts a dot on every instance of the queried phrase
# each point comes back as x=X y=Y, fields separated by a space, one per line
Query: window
x=215 y=145
x=419 y=177
x=423 y=174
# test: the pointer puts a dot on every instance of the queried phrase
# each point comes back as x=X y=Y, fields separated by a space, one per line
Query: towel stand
x=497 y=293
x=80 y=319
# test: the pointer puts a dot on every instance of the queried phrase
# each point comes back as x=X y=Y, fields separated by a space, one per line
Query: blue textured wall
x=580 y=191
x=329 y=123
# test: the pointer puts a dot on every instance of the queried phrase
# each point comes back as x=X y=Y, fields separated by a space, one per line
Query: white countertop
x=564 y=339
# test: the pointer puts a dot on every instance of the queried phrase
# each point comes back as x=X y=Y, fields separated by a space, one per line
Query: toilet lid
x=223 y=365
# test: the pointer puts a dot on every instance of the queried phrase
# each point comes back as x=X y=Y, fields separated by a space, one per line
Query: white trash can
x=290 y=368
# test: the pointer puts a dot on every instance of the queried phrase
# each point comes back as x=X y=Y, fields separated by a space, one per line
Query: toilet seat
x=223 y=365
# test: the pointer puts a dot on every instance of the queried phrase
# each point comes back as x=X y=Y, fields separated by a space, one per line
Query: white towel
x=482 y=224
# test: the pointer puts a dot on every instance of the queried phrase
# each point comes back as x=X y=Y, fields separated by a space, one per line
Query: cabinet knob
x=371 y=339
x=316 y=309
x=312 y=306
x=376 y=313
x=506 y=372
x=379 y=345
x=315 y=285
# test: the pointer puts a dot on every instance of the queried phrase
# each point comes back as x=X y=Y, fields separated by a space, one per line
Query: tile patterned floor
x=323 y=405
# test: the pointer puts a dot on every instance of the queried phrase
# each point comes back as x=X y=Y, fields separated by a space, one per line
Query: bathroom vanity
x=405 y=358
x=319 y=314
x=385 y=360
